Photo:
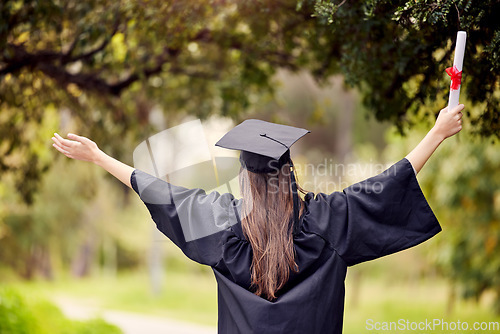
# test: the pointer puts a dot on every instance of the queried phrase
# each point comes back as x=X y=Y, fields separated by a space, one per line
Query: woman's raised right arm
x=82 y=148
x=448 y=123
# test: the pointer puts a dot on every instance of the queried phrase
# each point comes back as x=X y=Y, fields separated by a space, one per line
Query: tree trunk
x=452 y=297
x=82 y=261
x=45 y=263
x=155 y=263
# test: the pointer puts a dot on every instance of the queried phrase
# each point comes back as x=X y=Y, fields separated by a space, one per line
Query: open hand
x=76 y=147
x=449 y=123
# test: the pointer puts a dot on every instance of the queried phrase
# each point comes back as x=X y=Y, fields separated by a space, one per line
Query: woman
x=280 y=261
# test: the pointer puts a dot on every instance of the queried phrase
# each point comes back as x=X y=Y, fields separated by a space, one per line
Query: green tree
x=397 y=52
x=109 y=64
x=462 y=184
x=465 y=187
x=73 y=225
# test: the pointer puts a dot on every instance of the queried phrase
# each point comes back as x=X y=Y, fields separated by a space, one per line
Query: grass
x=407 y=303
x=21 y=313
x=388 y=291
x=185 y=296
x=191 y=296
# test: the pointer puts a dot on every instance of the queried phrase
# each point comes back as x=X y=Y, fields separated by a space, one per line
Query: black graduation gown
x=376 y=217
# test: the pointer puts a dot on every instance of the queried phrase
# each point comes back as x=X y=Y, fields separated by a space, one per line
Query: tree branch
x=90 y=82
x=283 y=59
x=162 y=59
x=66 y=58
x=93 y=83
x=21 y=58
x=72 y=47
x=15 y=19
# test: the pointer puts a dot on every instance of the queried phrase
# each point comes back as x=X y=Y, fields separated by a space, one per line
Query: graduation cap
x=265 y=147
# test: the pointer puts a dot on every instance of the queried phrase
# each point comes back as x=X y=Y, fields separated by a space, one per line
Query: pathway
x=131 y=323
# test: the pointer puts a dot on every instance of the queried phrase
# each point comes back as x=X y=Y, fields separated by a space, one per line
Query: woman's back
x=373 y=218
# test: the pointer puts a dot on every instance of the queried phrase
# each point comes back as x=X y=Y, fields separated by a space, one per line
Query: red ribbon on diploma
x=456 y=77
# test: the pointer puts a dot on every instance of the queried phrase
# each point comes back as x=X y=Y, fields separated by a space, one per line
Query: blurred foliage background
x=367 y=77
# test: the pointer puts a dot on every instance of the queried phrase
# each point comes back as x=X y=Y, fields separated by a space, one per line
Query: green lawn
x=191 y=295
x=408 y=305
x=26 y=313
x=186 y=296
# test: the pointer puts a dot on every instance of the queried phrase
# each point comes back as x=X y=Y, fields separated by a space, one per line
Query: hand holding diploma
x=449 y=122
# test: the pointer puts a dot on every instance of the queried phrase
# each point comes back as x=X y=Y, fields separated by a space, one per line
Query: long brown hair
x=267 y=224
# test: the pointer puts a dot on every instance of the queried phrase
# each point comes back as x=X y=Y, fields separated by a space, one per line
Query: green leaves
x=109 y=63
x=386 y=45
x=325 y=9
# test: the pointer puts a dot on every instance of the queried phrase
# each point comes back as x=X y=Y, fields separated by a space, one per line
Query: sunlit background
x=78 y=250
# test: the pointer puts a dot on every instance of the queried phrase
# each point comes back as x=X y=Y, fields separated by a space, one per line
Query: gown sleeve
x=192 y=219
x=379 y=216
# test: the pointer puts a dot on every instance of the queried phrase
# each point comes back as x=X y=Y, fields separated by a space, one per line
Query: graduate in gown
x=280 y=261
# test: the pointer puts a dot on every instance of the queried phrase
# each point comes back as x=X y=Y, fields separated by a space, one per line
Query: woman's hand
x=77 y=147
x=81 y=148
x=448 y=123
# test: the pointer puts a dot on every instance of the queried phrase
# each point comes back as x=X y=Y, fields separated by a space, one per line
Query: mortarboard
x=265 y=147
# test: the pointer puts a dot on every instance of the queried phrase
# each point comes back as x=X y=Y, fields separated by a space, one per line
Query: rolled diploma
x=458 y=62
